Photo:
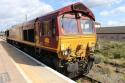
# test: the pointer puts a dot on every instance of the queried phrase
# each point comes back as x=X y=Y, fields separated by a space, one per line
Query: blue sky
x=107 y=12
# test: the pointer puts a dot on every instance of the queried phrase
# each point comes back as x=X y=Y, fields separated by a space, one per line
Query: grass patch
x=110 y=50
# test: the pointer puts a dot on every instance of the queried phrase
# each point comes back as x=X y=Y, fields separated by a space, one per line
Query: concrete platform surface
x=16 y=67
x=8 y=71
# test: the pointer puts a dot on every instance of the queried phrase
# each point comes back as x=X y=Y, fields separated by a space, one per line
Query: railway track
x=85 y=79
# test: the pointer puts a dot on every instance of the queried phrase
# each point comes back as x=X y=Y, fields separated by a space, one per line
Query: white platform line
x=48 y=68
x=22 y=72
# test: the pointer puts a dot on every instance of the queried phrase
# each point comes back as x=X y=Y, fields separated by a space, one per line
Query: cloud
x=96 y=3
x=116 y=23
x=104 y=13
x=93 y=3
x=14 y=11
x=116 y=11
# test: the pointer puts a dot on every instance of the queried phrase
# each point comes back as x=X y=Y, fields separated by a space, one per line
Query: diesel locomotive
x=64 y=39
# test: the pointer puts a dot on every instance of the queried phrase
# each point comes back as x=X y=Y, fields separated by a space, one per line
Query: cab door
x=37 y=33
x=48 y=35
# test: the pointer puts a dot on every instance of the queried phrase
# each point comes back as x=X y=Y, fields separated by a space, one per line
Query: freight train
x=64 y=39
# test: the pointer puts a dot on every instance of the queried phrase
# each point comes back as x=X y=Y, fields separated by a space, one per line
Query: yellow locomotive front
x=77 y=42
x=78 y=37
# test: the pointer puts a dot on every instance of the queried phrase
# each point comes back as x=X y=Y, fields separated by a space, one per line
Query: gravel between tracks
x=106 y=73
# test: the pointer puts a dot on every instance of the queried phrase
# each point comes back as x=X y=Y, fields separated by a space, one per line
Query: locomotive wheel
x=55 y=64
x=89 y=65
x=88 y=68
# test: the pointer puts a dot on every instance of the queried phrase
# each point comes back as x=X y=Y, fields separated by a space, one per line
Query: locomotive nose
x=76 y=46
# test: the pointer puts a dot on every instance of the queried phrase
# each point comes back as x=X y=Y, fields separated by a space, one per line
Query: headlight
x=66 y=52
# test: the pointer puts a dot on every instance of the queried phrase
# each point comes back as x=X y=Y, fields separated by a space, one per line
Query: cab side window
x=46 y=28
x=7 y=33
x=53 y=26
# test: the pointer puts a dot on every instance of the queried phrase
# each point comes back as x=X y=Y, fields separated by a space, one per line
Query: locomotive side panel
x=29 y=32
x=47 y=33
x=16 y=33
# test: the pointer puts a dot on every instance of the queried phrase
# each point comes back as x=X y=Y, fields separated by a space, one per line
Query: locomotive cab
x=77 y=38
x=76 y=35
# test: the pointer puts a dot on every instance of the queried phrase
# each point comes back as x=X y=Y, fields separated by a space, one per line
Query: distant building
x=97 y=25
x=111 y=33
x=2 y=33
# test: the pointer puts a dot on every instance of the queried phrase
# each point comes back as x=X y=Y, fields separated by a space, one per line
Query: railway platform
x=18 y=67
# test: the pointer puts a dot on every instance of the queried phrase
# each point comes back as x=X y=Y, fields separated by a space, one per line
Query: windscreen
x=69 y=26
x=87 y=26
